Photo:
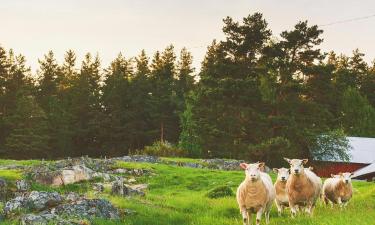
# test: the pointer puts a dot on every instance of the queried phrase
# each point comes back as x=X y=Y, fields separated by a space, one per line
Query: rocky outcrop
x=51 y=207
x=67 y=175
x=119 y=188
x=139 y=158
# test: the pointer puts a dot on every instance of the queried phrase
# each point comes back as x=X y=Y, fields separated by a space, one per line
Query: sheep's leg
x=293 y=210
x=244 y=216
x=345 y=204
x=249 y=222
x=279 y=207
x=268 y=216
x=339 y=202
x=259 y=216
x=310 y=208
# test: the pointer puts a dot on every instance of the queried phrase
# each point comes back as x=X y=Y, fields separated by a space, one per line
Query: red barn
x=362 y=154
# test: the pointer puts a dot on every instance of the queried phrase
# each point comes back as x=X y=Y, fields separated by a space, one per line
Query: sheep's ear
x=275 y=170
x=311 y=168
x=288 y=160
x=243 y=166
x=340 y=174
x=305 y=161
x=261 y=165
x=332 y=175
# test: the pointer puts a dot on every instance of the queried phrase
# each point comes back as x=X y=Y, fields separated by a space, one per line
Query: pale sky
x=32 y=27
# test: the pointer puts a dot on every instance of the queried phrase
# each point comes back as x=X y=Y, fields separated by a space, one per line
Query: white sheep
x=303 y=187
x=281 y=200
x=338 y=189
x=255 y=194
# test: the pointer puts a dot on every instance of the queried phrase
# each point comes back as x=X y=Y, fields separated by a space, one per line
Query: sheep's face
x=346 y=177
x=282 y=174
x=296 y=165
x=252 y=171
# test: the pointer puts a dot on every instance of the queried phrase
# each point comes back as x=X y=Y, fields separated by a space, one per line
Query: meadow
x=178 y=195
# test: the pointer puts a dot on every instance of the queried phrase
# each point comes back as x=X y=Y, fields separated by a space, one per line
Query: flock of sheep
x=297 y=188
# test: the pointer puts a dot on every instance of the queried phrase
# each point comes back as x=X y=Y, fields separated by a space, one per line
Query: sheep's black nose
x=296 y=171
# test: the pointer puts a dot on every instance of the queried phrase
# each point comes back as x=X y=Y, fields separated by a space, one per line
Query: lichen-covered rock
x=43 y=200
x=22 y=185
x=118 y=187
x=88 y=208
x=14 y=205
x=72 y=197
x=42 y=219
x=139 y=158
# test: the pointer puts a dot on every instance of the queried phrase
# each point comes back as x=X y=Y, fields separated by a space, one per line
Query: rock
x=131 y=180
x=88 y=208
x=99 y=187
x=42 y=219
x=120 y=170
x=3 y=189
x=76 y=174
x=43 y=200
x=22 y=185
x=14 y=205
x=139 y=158
x=3 y=184
x=72 y=197
x=118 y=187
x=222 y=164
x=139 y=187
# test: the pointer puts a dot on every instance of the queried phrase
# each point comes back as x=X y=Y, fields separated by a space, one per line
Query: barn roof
x=365 y=170
x=362 y=150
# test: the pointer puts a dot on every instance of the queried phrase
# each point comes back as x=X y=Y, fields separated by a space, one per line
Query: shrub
x=220 y=191
x=164 y=149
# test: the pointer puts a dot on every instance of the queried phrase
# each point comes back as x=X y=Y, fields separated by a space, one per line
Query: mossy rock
x=220 y=191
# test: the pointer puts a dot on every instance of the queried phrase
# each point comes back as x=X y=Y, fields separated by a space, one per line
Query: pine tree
x=86 y=108
x=116 y=99
x=163 y=96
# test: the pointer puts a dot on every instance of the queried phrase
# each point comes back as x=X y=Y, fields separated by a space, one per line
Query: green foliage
x=220 y=191
x=358 y=116
x=331 y=146
x=164 y=149
x=255 y=97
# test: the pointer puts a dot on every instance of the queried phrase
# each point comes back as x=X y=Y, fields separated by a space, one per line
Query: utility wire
x=322 y=25
x=347 y=21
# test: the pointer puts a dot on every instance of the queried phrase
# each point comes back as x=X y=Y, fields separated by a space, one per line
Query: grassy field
x=177 y=195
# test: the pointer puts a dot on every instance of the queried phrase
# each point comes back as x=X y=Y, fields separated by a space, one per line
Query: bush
x=164 y=149
x=220 y=191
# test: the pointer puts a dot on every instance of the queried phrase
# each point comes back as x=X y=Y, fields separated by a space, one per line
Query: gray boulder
x=88 y=209
x=43 y=200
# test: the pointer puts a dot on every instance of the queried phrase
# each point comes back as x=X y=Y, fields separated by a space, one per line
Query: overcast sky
x=32 y=27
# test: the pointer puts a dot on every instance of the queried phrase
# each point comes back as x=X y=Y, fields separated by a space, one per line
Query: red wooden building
x=362 y=154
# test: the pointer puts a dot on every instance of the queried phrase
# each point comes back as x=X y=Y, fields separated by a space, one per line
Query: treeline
x=256 y=97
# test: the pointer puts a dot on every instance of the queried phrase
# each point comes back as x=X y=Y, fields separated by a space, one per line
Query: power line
x=348 y=20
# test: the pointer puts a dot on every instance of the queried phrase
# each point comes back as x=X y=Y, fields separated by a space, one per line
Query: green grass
x=178 y=195
x=11 y=175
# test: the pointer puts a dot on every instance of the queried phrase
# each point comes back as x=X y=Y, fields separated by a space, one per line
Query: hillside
x=178 y=195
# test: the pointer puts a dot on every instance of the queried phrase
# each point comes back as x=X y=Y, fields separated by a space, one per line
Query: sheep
x=338 y=189
x=303 y=187
x=281 y=200
x=255 y=194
